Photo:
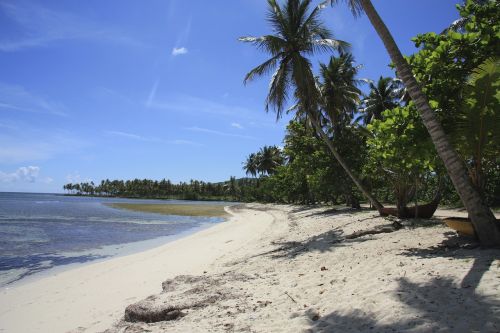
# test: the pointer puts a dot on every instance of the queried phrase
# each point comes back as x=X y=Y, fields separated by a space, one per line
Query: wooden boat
x=461 y=224
x=424 y=211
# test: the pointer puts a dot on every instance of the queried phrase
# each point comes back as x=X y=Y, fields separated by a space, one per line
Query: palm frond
x=354 y=5
x=264 y=68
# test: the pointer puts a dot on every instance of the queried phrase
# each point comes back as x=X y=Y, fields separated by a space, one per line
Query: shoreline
x=278 y=268
x=94 y=295
x=107 y=252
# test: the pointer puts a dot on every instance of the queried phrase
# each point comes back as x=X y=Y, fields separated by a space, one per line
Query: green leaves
x=399 y=148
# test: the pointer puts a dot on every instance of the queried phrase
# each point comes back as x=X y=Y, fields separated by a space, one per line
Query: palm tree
x=339 y=90
x=386 y=94
x=298 y=33
x=477 y=128
x=251 y=165
x=269 y=158
x=485 y=224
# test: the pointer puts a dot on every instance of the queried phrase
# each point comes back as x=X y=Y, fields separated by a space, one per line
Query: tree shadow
x=324 y=242
x=338 y=211
x=440 y=305
x=304 y=208
x=452 y=246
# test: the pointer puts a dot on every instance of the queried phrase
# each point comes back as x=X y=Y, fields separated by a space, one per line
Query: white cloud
x=179 y=51
x=137 y=137
x=128 y=135
x=47 y=180
x=17 y=98
x=75 y=177
x=26 y=144
x=27 y=174
x=236 y=125
x=214 y=132
x=152 y=93
x=40 y=26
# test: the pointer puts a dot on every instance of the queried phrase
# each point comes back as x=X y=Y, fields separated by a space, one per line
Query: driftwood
x=377 y=230
x=144 y=312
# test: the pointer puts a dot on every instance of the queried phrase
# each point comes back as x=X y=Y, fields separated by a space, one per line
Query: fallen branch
x=377 y=230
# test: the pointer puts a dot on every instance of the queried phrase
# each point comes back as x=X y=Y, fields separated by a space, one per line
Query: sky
x=123 y=89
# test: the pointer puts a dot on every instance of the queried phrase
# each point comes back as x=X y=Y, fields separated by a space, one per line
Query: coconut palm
x=477 y=127
x=298 y=33
x=269 y=159
x=485 y=224
x=385 y=94
x=251 y=165
x=339 y=90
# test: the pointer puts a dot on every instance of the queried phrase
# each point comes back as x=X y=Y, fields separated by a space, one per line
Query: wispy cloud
x=17 y=98
x=23 y=144
x=192 y=104
x=152 y=93
x=188 y=104
x=236 y=125
x=219 y=133
x=40 y=26
x=179 y=51
x=136 y=137
x=26 y=174
x=75 y=177
x=129 y=136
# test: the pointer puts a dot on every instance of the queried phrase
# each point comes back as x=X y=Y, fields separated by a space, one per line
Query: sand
x=277 y=268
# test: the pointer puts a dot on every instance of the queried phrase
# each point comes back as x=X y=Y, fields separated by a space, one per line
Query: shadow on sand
x=439 y=305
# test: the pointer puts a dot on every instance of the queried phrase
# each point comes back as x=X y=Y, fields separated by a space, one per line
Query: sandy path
x=92 y=297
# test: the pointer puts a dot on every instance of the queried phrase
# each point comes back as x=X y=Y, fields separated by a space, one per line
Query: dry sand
x=277 y=269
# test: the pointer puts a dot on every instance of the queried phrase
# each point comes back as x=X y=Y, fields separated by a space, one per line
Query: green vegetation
x=231 y=190
x=402 y=136
x=434 y=128
x=174 y=209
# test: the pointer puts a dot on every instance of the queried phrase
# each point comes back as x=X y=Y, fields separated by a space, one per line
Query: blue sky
x=153 y=89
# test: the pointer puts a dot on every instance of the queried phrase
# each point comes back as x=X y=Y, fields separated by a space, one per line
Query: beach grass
x=175 y=209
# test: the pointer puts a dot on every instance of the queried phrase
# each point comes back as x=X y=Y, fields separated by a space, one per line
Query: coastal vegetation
x=403 y=138
x=231 y=190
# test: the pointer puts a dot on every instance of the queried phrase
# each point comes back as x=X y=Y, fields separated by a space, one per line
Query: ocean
x=40 y=233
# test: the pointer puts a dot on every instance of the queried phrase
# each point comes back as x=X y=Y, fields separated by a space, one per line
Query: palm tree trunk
x=486 y=226
x=344 y=165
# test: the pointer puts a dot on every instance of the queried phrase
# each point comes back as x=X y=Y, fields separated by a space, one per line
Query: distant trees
x=165 y=189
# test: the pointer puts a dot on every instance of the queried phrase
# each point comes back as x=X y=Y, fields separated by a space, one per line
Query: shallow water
x=43 y=231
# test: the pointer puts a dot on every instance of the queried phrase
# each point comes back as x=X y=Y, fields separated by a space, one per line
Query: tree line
x=231 y=190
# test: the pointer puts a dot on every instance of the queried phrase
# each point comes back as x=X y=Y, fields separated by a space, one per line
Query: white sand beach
x=274 y=268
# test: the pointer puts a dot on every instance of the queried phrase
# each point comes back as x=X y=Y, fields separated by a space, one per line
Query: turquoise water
x=39 y=232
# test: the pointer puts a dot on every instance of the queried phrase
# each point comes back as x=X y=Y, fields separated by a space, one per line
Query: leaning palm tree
x=385 y=94
x=298 y=33
x=486 y=226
